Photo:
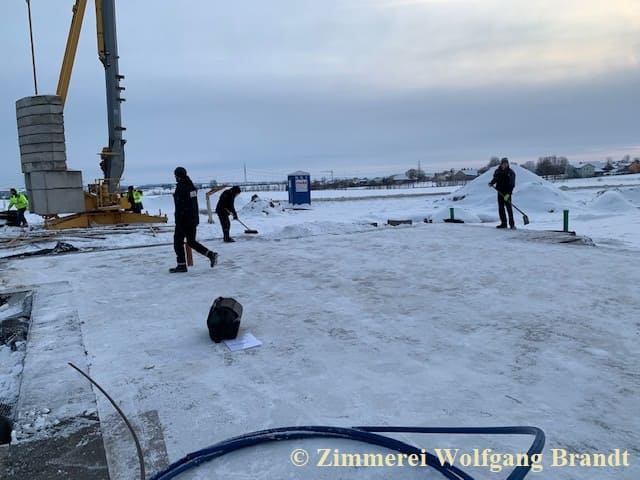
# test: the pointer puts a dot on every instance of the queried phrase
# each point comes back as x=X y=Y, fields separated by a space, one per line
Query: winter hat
x=235 y=189
x=504 y=160
x=180 y=172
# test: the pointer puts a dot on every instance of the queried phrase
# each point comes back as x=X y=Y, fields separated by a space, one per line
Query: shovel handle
x=242 y=224
x=512 y=204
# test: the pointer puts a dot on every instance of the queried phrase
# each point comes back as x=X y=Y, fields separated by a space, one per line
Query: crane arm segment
x=71 y=48
x=100 y=30
x=113 y=154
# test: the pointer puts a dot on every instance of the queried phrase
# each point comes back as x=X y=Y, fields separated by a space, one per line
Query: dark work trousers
x=21 y=220
x=225 y=223
x=501 y=207
x=179 y=236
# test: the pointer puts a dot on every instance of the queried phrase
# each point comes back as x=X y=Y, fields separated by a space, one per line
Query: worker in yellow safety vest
x=20 y=201
x=134 y=197
x=137 y=201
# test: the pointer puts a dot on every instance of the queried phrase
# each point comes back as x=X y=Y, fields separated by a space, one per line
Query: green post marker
x=566 y=220
x=451 y=213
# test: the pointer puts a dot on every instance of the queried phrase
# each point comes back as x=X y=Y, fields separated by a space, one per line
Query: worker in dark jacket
x=504 y=181
x=187 y=214
x=224 y=208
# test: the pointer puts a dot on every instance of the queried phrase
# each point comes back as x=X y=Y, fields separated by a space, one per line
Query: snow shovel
x=525 y=219
x=250 y=230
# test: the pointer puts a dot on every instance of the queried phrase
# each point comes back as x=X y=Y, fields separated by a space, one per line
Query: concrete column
x=51 y=188
x=41 y=133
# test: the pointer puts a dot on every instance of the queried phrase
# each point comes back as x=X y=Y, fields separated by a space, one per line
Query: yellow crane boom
x=102 y=201
x=70 y=50
x=112 y=156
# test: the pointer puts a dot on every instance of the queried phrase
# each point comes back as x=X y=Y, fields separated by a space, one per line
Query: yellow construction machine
x=103 y=203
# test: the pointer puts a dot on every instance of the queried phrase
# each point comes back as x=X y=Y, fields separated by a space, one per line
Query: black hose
x=361 y=434
x=124 y=418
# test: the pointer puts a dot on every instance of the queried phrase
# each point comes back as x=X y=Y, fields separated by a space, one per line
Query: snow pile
x=532 y=192
x=477 y=202
x=632 y=195
x=260 y=205
x=612 y=201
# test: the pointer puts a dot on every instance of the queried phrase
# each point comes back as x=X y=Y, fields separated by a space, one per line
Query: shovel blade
x=251 y=232
x=525 y=220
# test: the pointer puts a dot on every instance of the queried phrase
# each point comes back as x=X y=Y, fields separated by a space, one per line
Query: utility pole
x=329 y=171
x=245 y=173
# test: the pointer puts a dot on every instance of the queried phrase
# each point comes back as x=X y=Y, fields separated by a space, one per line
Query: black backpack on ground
x=224 y=319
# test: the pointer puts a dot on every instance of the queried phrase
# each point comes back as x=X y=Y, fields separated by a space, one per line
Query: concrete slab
x=58 y=432
x=57 y=435
x=52 y=392
x=79 y=455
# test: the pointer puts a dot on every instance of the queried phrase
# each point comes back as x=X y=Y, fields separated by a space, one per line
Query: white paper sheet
x=242 y=342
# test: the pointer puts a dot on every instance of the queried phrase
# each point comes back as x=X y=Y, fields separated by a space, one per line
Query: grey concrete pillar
x=51 y=188
x=41 y=133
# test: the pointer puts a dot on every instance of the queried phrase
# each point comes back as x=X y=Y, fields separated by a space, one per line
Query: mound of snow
x=612 y=201
x=268 y=207
x=632 y=195
x=532 y=193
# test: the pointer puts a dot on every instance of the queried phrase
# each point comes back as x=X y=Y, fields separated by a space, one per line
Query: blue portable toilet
x=299 y=187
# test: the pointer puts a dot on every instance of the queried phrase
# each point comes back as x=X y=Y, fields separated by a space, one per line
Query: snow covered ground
x=361 y=323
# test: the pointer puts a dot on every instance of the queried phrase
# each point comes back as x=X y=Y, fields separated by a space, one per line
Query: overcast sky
x=349 y=87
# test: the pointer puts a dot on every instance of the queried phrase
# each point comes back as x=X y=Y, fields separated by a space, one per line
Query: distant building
x=400 y=178
x=633 y=167
x=599 y=168
x=584 y=170
x=465 y=174
x=621 y=167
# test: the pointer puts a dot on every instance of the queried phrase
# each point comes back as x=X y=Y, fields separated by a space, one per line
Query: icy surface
x=429 y=324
